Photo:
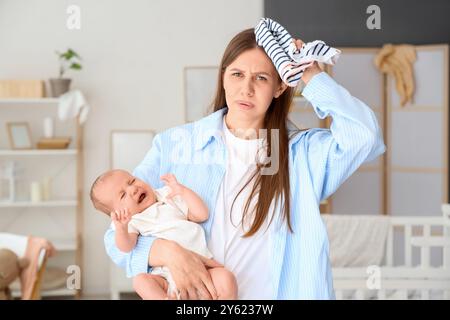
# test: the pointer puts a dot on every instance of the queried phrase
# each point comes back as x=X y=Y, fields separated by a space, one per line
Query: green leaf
x=75 y=66
x=68 y=55
x=73 y=53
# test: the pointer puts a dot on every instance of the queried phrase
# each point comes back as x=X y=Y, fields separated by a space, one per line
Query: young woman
x=262 y=188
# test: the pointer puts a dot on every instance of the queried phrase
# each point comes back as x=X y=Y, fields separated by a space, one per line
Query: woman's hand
x=188 y=270
x=299 y=43
x=191 y=277
x=312 y=70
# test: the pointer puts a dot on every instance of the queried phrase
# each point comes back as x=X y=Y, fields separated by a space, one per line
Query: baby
x=171 y=212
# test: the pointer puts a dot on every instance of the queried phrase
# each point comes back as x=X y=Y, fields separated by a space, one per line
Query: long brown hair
x=275 y=186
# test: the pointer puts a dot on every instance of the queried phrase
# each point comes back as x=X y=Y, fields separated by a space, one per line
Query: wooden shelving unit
x=41 y=204
x=70 y=244
x=66 y=152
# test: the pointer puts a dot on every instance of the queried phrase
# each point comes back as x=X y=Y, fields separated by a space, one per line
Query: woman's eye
x=236 y=74
x=261 y=78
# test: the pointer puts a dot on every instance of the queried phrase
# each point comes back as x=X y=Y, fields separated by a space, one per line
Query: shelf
x=58 y=292
x=67 y=202
x=64 y=244
x=49 y=293
x=39 y=152
x=42 y=204
x=28 y=100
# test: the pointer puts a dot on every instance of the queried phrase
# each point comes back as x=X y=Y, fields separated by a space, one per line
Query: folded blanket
x=356 y=240
x=289 y=61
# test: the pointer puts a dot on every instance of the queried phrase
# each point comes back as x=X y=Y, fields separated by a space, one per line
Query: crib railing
x=405 y=280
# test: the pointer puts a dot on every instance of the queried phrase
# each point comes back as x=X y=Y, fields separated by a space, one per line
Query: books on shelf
x=54 y=143
x=22 y=89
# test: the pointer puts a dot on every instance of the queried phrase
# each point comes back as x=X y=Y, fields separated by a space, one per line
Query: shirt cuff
x=320 y=88
x=318 y=85
x=138 y=261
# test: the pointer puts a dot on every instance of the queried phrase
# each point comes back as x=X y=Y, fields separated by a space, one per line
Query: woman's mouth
x=245 y=105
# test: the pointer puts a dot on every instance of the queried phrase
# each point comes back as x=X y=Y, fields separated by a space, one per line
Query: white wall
x=133 y=56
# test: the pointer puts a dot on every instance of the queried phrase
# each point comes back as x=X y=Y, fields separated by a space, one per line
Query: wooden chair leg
x=36 y=292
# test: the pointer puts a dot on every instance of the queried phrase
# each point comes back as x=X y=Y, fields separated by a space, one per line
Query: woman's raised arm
x=354 y=136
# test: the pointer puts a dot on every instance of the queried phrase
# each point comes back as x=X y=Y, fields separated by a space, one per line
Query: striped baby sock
x=288 y=60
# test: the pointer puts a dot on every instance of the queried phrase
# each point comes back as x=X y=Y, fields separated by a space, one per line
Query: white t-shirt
x=167 y=219
x=248 y=258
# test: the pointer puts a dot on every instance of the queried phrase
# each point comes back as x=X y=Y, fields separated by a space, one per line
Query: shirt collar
x=211 y=127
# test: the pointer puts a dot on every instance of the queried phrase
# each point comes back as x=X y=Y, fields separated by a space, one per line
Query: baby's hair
x=95 y=201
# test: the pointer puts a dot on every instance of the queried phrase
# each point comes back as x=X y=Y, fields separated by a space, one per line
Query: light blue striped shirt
x=320 y=161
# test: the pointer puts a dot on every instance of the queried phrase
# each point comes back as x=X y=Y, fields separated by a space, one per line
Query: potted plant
x=67 y=60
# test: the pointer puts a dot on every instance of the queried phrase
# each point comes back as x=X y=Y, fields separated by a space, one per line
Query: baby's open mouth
x=142 y=197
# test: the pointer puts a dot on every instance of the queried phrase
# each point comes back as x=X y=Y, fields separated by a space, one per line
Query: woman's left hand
x=312 y=70
x=299 y=43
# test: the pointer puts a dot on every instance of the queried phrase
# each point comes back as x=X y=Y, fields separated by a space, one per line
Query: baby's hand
x=121 y=218
x=170 y=180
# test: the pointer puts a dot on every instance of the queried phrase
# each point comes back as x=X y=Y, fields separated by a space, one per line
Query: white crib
x=419 y=278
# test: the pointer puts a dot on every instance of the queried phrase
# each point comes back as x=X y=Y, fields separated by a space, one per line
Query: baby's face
x=121 y=190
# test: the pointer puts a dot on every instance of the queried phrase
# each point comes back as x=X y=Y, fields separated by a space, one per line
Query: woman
x=273 y=241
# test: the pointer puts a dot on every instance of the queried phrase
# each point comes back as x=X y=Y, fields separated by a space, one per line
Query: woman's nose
x=248 y=89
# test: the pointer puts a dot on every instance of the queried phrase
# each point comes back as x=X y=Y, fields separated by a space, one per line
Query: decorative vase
x=36 y=191
x=48 y=127
x=59 y=86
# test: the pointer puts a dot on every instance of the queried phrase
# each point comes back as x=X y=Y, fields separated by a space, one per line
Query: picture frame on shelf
x=199 y=89
x=19 y=135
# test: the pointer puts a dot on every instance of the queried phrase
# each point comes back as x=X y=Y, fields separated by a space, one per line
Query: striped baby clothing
x=288 y=60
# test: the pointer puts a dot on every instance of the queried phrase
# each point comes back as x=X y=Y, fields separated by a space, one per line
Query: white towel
x=356 y=240
x=289 y=61
x=72 y=104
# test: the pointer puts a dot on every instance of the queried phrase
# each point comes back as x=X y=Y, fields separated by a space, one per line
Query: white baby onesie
x=167 y=219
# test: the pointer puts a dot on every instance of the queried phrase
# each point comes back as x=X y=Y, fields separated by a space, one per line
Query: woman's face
x=250 y=83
